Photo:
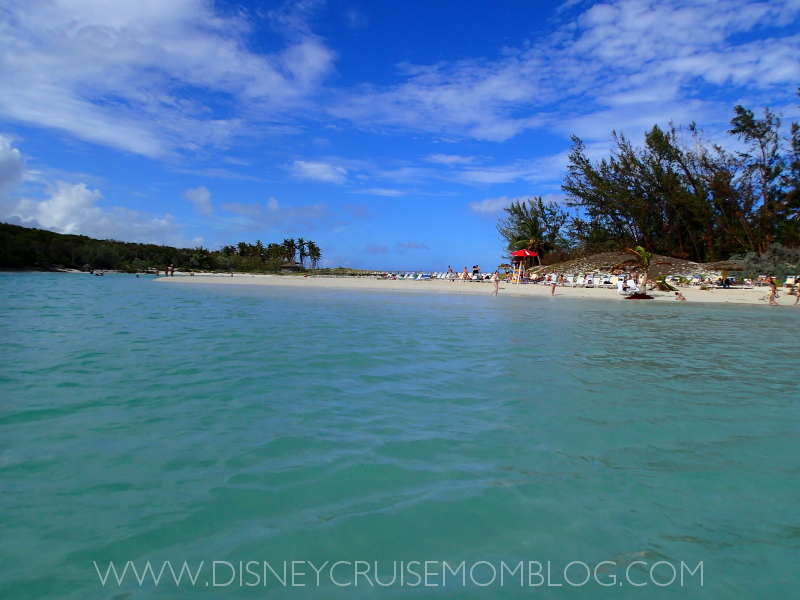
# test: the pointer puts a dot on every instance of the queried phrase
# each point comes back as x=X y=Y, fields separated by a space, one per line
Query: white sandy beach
x=693 y=294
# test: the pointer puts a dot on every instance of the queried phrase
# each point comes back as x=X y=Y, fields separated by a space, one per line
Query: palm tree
x=642 y=260
x=274 y=251
x=532 y=225
x=314 y=253
x=289 y=249
x=528 y=238
x=301 y=248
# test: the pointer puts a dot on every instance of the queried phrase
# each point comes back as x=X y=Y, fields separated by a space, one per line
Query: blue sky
x=391 y=133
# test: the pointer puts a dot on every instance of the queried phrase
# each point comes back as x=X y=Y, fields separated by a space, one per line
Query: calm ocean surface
x=150 y=422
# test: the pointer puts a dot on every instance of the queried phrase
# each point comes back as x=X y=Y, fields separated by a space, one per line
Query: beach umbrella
x=519 y=259
x=724 y=266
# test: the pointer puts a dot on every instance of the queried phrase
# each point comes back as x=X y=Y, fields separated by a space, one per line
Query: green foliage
x=533 y=225
x=25 y=248
x=664 y=286
x=687 y=197
x=778 y=262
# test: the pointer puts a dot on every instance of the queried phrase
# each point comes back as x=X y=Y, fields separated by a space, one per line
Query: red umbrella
x=519 y=257
x=523 y=253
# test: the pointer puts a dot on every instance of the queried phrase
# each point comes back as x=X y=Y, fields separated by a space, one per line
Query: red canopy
x=523 y=253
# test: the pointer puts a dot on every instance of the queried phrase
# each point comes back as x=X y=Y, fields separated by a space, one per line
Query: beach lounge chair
x=579 y=280
x=589 y=281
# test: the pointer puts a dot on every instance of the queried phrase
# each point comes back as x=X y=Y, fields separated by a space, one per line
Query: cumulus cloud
x=200 y=198
x=11 y=165
x=73 y=208
x=376 y=249
x=317 y=171
x=106 y=72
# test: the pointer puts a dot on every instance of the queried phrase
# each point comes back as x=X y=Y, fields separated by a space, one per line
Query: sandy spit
x=693 y=294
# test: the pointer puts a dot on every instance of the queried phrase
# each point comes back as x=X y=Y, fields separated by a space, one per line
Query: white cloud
x=11 y=165
x=491 y=205
x=200 y=198
x=496 y=205
x=72 y=208
x=127 y=73
x=451 y=159
x=318 y=171
x=639 y=60
x=390 y=193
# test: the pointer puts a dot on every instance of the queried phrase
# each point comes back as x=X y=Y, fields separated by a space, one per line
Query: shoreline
x=755 y=296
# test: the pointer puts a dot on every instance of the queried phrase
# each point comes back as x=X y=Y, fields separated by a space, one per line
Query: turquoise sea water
x=142 y=421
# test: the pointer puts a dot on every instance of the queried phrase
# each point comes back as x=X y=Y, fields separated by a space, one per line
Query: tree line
x=291 y=250
x=677 y=194
x=27 y=248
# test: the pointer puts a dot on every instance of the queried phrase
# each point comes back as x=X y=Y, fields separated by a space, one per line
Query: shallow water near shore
x=148 y=422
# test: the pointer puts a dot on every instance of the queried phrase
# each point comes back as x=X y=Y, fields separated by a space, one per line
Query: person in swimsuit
x=496 y=282
x=773 y=292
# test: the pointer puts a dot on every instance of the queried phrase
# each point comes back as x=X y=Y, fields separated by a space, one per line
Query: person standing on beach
x=773 y=292
x=553 y=282
x=496 y=282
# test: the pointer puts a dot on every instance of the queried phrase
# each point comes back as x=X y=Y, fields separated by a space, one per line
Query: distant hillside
x=26 y=248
